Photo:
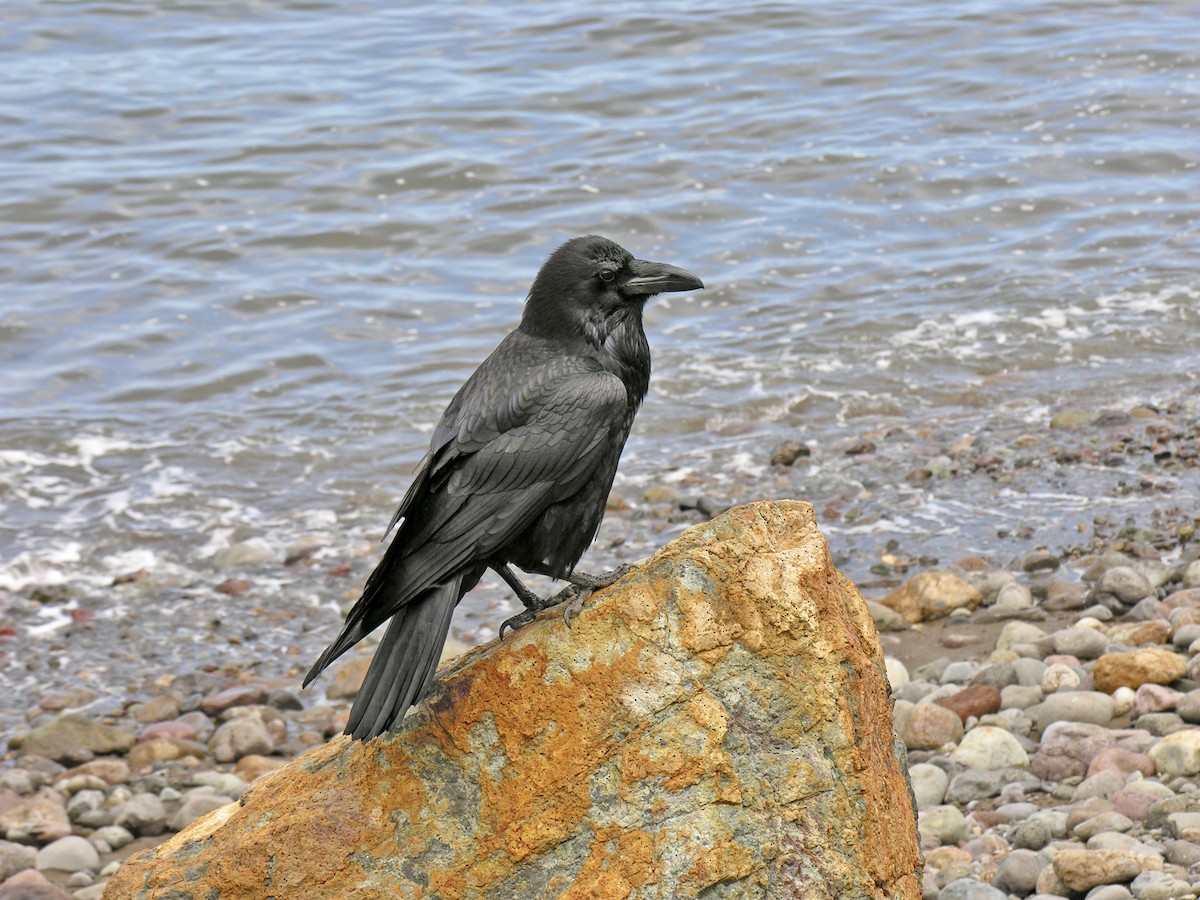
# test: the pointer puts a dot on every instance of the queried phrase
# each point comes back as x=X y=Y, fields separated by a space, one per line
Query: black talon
x=578 y=591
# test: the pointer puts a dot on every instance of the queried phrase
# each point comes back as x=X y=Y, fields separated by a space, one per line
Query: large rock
x=71 y=736
x=1149 y=665
x=931 y=595
x=717 y=722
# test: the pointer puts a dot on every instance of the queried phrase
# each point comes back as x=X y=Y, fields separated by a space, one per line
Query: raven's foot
x=573 y=596
x=534 y=605
x=584 y=585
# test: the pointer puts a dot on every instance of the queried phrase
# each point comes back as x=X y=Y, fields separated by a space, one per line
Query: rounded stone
x=1059 y=678
x=1068 y=748
x=1092 y=707
x=1014 y=596
x=114 y=835
x=929 y=784
x=1123 y=762
x=1148 y=665
x=1103 y=823
x=240 y=737
x=1103 y=784
x=974 y=701
x=1125 y=583
x=989 y=747
x=1033 y=833
x=1018 y=872
x=945 y=824
x=970 y=889
x=930 y=727
x=1018 y=632
x=143 y=814
x=1159 y=886
x=976 y=784
x=1178 y=753
x=68 y=854
x=1082 y=643
x=897 y=672
x=1123 y=699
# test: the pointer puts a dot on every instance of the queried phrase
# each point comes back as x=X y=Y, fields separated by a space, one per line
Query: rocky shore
x=1047 y=694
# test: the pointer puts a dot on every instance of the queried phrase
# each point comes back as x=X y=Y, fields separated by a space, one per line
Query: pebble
x=1178 y=753
x=929 y=784
x=1018 y=872
x=988 y=747
x=944 y=824
x=68 y=854
x=931 y=727
x=1092 y=707
x=1082 y=643
x=1148 y=665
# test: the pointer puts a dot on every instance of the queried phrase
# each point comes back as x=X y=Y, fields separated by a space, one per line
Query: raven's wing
x=506 y=449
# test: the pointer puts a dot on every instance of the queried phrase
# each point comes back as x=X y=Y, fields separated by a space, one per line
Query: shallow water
x=251 y=249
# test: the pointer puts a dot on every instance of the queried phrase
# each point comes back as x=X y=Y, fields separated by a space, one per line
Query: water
x=250 y=249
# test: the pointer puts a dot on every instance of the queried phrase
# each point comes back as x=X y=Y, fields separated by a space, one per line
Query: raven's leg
x=579 y=588
x=584 y=585
x=533 y=603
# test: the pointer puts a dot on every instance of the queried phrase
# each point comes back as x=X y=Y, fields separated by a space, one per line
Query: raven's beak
x=657 y=278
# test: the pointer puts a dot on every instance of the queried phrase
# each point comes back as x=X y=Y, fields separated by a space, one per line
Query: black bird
x=518 y=471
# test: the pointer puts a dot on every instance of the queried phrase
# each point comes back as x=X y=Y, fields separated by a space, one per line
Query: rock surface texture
x=716 y=724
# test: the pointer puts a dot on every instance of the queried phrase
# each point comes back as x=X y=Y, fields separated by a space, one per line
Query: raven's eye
x=607 y=275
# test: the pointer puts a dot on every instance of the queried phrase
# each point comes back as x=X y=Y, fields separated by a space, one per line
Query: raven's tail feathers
x=405 y=660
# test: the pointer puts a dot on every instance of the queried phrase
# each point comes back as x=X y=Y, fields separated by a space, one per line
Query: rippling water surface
x=250 y=249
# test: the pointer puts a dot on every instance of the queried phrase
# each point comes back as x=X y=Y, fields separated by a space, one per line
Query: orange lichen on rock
x=719 y=716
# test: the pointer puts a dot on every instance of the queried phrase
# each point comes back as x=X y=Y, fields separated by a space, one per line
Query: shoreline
x=152 y=662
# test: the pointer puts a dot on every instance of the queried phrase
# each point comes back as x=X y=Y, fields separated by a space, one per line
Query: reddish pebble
x=1123 y=762
x=340 y=571
x=977 y=700
x=235 y=587
x=238 y=695
x=1152 y=698
x=1134 y=804
x=170 y=729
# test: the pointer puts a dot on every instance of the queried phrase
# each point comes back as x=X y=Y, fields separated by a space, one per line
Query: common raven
x=518 y=471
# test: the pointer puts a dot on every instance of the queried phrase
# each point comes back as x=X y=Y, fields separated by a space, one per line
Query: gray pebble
x=1185 y=635
x=1181 y=853
x=1158 y=886
x=1109 y=892
x=114 y=835
x=15 y=858
x=945 y=824
x=68 y=854
x=970 y=889
x=976 y=784
x=1014 y=597
x=1033 y=833
x=1104 y=823
x=957 y=672
x=1029 y=671
x=929 y=783
x=1094 y=707
x=998 y=675
x=1161 y=724
x=1018 y=872
x=143 y=814
x=1017 y=812
x=1125 y=583
x=1020 y=696
x=1082 y=643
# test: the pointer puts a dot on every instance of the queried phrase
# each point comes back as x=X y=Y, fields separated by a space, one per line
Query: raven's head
x=590 y=282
